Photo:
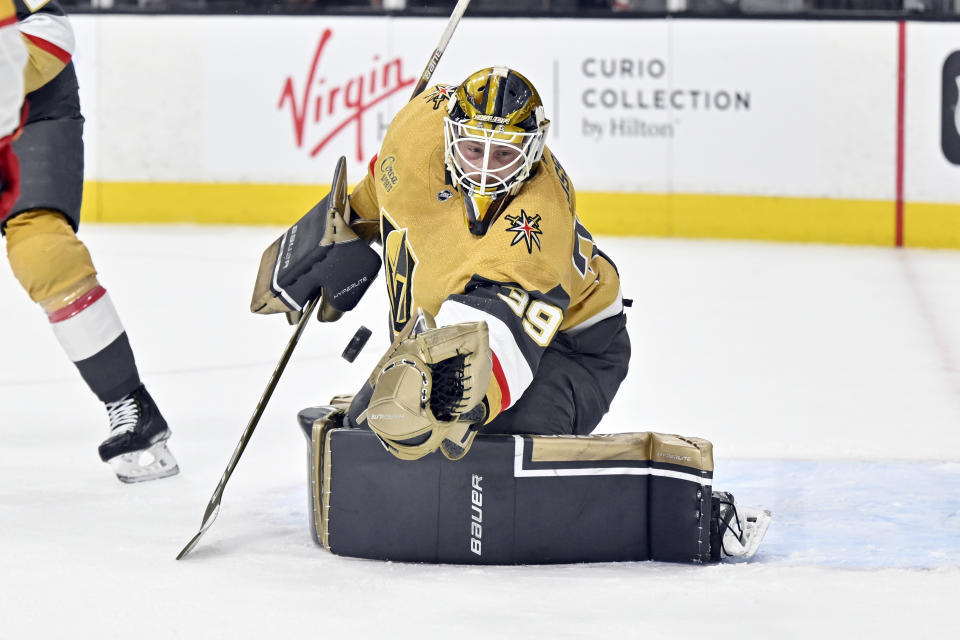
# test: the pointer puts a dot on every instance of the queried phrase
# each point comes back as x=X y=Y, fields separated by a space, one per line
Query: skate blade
x=755 y=523
x=148 y=464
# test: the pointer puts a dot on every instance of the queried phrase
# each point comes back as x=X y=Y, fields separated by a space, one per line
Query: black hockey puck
x=356 y=344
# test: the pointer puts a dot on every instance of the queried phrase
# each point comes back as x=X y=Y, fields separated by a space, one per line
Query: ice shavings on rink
x=826 y=378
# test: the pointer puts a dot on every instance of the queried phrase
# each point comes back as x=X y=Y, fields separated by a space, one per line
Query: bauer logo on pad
x=950 y=108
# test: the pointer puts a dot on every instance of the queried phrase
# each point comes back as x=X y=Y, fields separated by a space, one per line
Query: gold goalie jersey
x=535 y=272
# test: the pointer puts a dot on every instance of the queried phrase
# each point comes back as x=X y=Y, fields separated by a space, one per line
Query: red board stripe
x=77 y=305
x=901 y=90
x=501 y=382
x=6 y=22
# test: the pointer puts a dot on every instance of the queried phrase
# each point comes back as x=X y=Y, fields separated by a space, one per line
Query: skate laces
x=123 y=414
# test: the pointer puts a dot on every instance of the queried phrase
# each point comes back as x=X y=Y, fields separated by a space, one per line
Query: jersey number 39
x=540 y=319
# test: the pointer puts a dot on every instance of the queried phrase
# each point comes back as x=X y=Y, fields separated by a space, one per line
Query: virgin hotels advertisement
x=777 y=108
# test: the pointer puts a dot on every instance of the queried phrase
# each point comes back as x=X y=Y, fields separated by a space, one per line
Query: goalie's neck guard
x=481 y=211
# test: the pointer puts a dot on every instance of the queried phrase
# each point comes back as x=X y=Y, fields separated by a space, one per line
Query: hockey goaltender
x=510 y=342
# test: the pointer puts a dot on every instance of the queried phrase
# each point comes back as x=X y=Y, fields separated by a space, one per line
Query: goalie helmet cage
x=512 y=499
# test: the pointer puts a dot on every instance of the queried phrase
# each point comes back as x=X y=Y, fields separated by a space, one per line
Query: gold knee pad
x=48 y=259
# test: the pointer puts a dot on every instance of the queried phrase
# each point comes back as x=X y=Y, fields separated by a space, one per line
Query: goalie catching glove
x=429 y=389
x=319 y=254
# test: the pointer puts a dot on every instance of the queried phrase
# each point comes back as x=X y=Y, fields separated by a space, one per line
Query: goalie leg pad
x=516 y=500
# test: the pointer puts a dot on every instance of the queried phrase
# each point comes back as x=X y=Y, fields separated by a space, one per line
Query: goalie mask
x=493 y=139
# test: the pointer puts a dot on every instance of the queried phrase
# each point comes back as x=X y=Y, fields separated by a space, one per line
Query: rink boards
x=825 y=131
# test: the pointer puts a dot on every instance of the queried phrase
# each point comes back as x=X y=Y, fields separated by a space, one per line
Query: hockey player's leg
x=55 y=269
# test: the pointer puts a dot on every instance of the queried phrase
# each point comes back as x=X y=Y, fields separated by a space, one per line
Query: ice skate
x=136 y=448
x=736 y=531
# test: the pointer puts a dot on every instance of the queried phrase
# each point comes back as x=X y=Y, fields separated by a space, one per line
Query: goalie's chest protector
x=428 y=250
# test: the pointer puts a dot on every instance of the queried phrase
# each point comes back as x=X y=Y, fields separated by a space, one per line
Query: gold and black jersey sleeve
x=49 y=38
x=535 y=272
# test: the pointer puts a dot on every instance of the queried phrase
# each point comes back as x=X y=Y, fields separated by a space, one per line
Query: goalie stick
x=213 y=507
x=458 y=12
x=337 y=204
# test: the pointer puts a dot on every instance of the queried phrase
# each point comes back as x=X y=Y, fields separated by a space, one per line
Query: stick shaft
x=458 y=12
x=213 y=507
x=265 y=398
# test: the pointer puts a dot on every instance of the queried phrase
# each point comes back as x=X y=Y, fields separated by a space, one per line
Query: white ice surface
x=828 y=379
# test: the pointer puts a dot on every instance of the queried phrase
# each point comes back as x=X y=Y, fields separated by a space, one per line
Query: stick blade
x=190 y=545
x=207 y=521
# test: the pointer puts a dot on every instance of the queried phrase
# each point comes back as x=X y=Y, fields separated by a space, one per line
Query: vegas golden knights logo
x=400 y=263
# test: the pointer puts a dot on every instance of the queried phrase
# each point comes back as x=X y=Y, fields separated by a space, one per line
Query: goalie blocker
x=514 y=499
x=320 y=253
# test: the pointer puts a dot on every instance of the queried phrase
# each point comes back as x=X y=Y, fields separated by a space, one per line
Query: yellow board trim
x=738 y=216
x=931 y=225
x=787 y=219
x=199 y=203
